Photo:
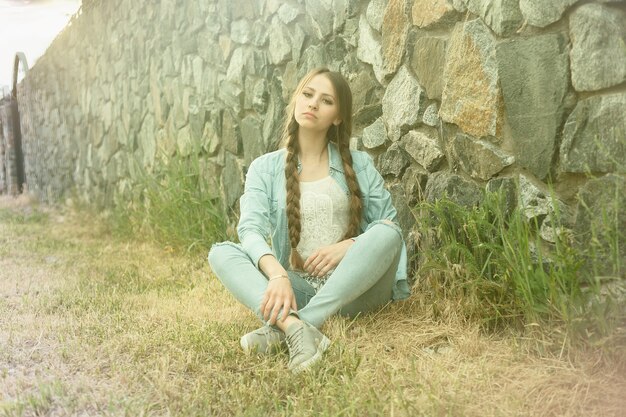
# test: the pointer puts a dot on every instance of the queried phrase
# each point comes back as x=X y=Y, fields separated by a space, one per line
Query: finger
x=286 y=309
x=312 y=261
x=293 y=303
x=275 y=312
x=268 y=309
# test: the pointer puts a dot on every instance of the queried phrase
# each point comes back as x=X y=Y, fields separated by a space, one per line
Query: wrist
x=277 y=276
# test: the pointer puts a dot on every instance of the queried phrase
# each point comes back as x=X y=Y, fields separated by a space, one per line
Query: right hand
x=279 y=294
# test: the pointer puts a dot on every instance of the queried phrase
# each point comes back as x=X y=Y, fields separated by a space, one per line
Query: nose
x=313 y=103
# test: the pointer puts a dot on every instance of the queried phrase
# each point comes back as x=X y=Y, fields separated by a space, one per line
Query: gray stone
x=428 y=61
x=240 y=31
x=405 y=217
x=272 y=125
x=414 y=181
x=502 y=16
x=320 y=17
x=600 y=224
x=107 y=115
x=197 y=118
x=184 y=142
x=471 y=93
x=375 y=13
x=369 y=49
x=108 y=147
x=598 y=55
x=444 y=184
x=459 y=5
x=259 y=34
x=402 y=103
x=542 y=13
x=364 y=90
x=431 y=13
x=424 y=148
x=288 y=12
x=508 y=188
x=534 y=77
x=534 y=203
x=231 y=138
x=232 y=180
x=235 y=72
x=252 y=138
x=594 y=135
x=393 y=161
x=297 y=37
x=394 y=33
x=431 y=115
x=231 y=95
x=366 y=115
x=375 y=135
x=280 y=45
x=210 y=140
x=479 y=158
x=259 y=96
x=314 y=56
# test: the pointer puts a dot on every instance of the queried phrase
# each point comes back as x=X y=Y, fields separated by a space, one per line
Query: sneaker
x=306 y=345
x=264 y=340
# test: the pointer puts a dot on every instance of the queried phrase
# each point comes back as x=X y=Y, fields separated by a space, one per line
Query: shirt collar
x=334 y=159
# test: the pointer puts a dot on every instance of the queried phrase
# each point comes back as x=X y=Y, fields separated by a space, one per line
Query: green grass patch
x=176 y=205
x=492 y=264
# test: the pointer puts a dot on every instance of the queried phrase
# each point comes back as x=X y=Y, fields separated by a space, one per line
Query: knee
x=390 y=230
x=219 y=255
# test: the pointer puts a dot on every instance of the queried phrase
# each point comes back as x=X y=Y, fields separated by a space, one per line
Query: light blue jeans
x=362 y=282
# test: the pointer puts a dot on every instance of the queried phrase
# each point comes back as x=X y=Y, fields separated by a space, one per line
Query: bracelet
x=278 y=276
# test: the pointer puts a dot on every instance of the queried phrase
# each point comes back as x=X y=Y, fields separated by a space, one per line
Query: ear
x=337 y=122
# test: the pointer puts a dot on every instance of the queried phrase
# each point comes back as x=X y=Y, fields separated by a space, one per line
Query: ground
x=91 y=324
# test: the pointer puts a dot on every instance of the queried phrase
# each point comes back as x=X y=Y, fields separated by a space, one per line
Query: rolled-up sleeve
x=380 y=206
x=254 y=226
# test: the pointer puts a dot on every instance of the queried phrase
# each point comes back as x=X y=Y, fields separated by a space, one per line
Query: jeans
x=362 y=282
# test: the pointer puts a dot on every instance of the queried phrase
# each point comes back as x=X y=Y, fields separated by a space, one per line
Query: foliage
x=174 y=205
x=491 y=262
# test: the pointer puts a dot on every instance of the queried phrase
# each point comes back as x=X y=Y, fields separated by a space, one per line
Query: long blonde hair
x=340 y=135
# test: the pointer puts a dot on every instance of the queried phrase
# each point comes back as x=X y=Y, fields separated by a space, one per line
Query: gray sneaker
x=306 y=345
x=264 y=340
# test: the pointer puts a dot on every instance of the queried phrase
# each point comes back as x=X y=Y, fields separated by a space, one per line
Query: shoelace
x=295 y=341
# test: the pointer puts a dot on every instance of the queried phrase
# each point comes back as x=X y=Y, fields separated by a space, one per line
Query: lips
x=307 y=114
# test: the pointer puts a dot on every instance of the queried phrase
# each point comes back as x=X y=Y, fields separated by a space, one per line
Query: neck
x=312 y=145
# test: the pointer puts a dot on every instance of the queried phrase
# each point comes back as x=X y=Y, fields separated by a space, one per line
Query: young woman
x=334 y=245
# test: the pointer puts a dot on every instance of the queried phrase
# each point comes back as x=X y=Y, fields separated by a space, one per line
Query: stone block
x=479 y=158
x=432 y=13
x=375 y=135
x=252 y=138
x=471 y=94
x=394 y=33
x=598 y=55
x=534 y=77
x=542 y=13
x=502 y=16
x=375 y=13
x=393 y=161
x=423 y=146
x=453 y=187
x=594 y=136
x=403 y=103
x=369 y=49
x=231 y=137
x=428 y=61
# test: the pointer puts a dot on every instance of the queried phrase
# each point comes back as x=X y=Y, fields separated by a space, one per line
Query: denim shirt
x=263 y=227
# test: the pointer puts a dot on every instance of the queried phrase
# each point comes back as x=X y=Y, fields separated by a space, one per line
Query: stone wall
x=451 y=96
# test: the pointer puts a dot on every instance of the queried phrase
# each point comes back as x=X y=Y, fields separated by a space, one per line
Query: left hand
x=326 y=258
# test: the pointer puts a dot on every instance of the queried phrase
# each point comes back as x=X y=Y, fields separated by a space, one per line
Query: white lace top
x=324 y=214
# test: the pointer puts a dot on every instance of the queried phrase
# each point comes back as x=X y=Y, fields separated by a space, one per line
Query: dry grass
x=90 y=325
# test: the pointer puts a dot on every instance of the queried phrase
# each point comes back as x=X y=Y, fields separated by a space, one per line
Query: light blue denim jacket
x=263 y=220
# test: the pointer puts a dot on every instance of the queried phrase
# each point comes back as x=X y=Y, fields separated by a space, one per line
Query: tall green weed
x=175 y=205
x=492 y=264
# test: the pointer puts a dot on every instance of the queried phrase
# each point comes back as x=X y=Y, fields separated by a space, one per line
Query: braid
x=356 y=205
x=293 y=194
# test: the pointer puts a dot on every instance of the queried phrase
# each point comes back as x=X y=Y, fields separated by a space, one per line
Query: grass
x=176 y=205
x=491 y=263
x=116 y=328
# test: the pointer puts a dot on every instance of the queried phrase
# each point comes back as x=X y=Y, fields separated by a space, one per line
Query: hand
x=327 y=258
x=278 y=294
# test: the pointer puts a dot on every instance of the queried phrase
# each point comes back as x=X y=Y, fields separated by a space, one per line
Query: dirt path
x=91 y=325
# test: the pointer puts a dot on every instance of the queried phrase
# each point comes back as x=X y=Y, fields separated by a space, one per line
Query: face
x=316 y=106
